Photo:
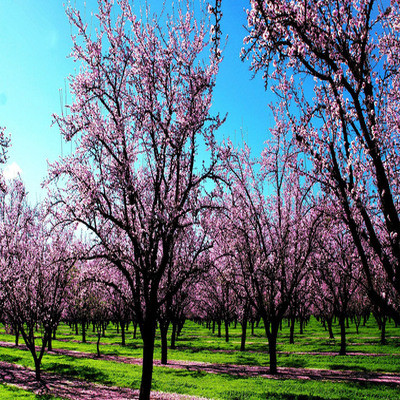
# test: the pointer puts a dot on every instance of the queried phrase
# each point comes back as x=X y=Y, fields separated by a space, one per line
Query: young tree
x=140 y=115
x=35 y=264
x=347 y=53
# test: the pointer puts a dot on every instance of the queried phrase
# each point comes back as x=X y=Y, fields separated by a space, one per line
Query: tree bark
x=329 y=323
x=292 y=323
x=37 y=369
x=244 y=331
x=50 y=343
x=342 y=323
x=226 y=331
x=383 y=329
x=271 y=330
x=123 y=333
x=16 y=336
x=173 y=336
x=83 y=332
x=164 y=342
x=357 y=322
x=148 y=336
x=98 y=342
x=181 y=323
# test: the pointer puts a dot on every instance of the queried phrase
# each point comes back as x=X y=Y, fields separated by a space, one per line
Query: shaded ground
x=73 y=389
x=245 y=370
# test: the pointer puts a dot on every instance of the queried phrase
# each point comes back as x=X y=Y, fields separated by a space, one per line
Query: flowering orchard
x=179 y=226
x=347 y=53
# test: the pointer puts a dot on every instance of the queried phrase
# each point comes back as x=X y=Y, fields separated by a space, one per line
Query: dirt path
x=245 y=370
x=74 y=389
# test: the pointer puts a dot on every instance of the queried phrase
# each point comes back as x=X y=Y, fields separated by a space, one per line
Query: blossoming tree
x=140 y=114
x=270 y=222
x=35 y=264
x=336 y=65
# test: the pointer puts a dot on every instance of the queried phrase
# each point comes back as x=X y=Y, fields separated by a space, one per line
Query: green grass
x=221 y=386
x=9 y=392
x=198 y=344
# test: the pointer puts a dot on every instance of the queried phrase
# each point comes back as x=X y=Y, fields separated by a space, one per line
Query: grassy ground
x=198 y=344
x=8 y=392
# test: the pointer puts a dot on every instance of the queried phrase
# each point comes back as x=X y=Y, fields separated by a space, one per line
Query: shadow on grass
x=235 y=395
x=193 y=374
x=338 y=367
x=189 y=339
x=82 y=372
x=10 y=359
x=295 y=363
x=247 y=359
x=132 y=346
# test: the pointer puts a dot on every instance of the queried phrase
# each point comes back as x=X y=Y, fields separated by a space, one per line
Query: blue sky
x=35 y=41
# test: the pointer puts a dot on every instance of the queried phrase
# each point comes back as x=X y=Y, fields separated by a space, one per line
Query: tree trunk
x=123 y=333
x=213 y=327
x=244 y=331
x=50 y=343
x=98 y=341
x=219 y=329
x=16 y=336
x=342 y=323
x=173 y=336
x=181 y=324
x=357 y=322
x=148 y=335
x=164 y=342
x=226 y=331
x=37 y=369
x=383 y=329
x=134 y=329
x=272 y=333
x=324 y=324
x=76 y=328
x=292 y=323
x=329 y=323
x=83 y=332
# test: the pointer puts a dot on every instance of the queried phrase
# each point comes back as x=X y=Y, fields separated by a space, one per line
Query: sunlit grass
x=197 y=343
x=217 y=386
x=9 y=392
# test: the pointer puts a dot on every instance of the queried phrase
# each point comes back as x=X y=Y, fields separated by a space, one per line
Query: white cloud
x=11 y=171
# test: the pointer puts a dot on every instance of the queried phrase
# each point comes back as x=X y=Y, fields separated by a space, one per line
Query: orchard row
x=175 y=225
